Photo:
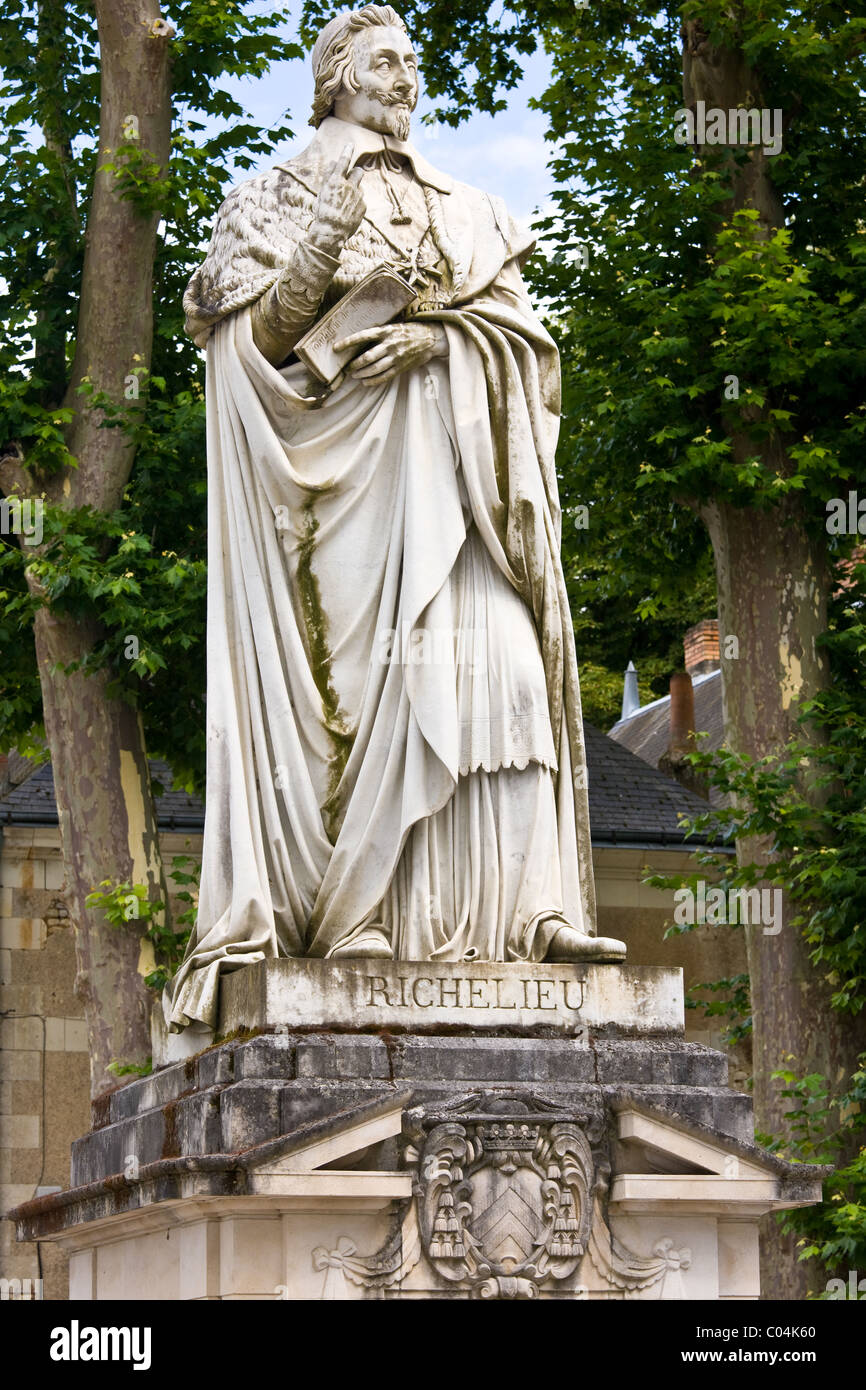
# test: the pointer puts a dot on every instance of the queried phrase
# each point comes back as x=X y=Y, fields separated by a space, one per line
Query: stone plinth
x=478 y=997
x=309 y=1162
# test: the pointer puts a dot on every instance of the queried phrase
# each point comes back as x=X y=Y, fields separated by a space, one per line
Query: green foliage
x=139 y=573
x=821 y=1124
x=734 y=1005
x=139 y=178
x=660 y=291
x=129 y=902
x=819 y=861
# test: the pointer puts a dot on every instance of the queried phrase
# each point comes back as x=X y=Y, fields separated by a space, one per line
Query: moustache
x=392 y=99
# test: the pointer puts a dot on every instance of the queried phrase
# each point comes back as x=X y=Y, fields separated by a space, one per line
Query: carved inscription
x=464 y=992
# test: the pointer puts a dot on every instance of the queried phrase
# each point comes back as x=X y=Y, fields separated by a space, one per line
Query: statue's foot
x=372 y=944
x=569 y=944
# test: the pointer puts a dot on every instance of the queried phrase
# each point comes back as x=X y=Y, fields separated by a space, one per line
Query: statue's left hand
x=393 y=348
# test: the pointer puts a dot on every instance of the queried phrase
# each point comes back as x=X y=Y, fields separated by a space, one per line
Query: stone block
x=147 y=1092
x=197 y=1124
x=492 y=1059
x=21 y=1034
x=302 y=1103
x=250 y=1114
x=731 y=1113
x=20 y=999
x=21 y=1131
x=54 y=874
x=21 y=1065
x=336 y=1056
x=635 y=1065
x=269 y=1058
x=11 y=1194
x=119 y=1147
x=22 y=933
x=422 y=997
x=216 y=1067
x=75 y=1037
x=699 y=1066
x=23 y=1098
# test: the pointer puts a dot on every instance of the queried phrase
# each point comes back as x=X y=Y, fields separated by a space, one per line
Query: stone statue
x=395 y=750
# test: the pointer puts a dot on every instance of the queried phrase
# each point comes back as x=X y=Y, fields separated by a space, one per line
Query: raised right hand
x=341 y=206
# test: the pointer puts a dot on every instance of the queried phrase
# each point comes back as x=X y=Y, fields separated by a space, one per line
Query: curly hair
x=333 y=65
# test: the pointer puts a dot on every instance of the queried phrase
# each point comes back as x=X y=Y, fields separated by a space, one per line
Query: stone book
x=373 y=302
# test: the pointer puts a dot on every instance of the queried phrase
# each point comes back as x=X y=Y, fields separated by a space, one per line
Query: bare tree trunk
x=104 y=799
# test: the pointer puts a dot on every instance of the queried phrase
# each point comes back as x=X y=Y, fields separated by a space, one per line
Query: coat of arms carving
x=506 y=1197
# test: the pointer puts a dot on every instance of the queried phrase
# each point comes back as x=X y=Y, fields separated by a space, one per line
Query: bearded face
x=386 y=74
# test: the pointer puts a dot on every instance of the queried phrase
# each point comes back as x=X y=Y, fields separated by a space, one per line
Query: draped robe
x=393 y=708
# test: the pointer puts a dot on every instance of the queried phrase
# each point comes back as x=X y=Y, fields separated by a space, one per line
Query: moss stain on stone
x=316 y=626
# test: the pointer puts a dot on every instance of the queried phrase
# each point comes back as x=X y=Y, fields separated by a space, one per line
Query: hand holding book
x=394 y=348
x=371 y=304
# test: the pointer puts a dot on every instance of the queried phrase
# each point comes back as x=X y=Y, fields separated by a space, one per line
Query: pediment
x=333 y=1156
x=665 y=1163
x=669 y=1148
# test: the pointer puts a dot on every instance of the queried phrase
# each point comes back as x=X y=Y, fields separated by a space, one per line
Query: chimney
x=682 y=732
x=681 y=738
x=630 y=696
x=701 y=647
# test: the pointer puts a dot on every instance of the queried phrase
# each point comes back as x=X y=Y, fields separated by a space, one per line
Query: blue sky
x=504 y=154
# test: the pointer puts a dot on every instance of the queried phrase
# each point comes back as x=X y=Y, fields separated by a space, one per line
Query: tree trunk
x=108 y=830
x=104 y=800
x=773 y=585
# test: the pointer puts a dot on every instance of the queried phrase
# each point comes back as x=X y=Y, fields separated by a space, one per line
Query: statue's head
x=366 y=71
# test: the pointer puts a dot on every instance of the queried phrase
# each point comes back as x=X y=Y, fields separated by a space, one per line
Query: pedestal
x=580 y=1150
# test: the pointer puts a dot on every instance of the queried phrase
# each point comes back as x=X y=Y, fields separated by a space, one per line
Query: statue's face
x=386 y=70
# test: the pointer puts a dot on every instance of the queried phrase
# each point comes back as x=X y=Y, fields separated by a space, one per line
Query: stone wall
x=44 y=1065
x=44 y=1069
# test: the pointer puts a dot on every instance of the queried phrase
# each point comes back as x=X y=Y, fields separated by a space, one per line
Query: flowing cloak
x=334 y=521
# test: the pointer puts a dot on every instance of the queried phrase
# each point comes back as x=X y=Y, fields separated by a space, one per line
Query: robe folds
x=393 y=708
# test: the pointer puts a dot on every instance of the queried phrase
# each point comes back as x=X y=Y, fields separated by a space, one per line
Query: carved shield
x=506 y=1200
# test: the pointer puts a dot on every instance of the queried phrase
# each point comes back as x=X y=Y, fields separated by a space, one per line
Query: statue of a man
x=395 y=748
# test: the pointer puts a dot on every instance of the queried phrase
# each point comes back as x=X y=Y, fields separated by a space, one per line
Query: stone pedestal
x=581 y=1150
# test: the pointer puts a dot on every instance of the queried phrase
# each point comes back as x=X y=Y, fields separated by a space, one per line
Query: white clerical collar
x=334 y=134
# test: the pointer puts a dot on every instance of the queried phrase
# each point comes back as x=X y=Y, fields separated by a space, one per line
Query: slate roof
x=629 y=802
x=33 y=803
x=647 y=731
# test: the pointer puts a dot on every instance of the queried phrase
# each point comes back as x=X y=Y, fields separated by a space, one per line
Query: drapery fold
x=332 y=525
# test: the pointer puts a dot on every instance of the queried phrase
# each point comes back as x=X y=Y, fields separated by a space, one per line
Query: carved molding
x=382 y=1270
x=621 y=1268
x=509 y=1197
